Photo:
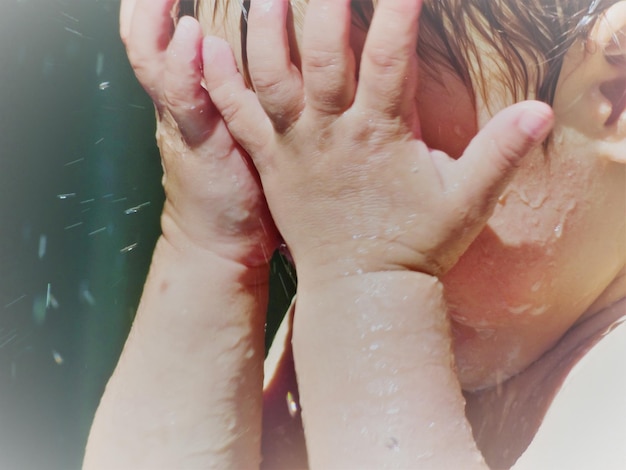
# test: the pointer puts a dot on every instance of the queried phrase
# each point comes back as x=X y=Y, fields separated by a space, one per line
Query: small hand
x=214 y=198
x=351 y=185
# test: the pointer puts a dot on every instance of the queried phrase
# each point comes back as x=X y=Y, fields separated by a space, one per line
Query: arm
x=372 y=217
x=394 y=399
x=187 y=391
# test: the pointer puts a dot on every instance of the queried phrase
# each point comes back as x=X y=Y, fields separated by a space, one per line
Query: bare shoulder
x=585 y=426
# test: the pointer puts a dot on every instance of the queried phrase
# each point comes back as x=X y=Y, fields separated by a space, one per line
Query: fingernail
x=264 y=5
x=536 y=122
x=208 y=47
x=185 y=25
x=186 y=38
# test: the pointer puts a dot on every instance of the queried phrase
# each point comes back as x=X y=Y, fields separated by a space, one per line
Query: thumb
x=490 y=160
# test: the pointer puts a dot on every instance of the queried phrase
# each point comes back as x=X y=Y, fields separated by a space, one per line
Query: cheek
x=507 y=275
x=550 y=248
x=494 y=284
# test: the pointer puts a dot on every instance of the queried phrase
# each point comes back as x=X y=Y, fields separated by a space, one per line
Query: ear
x=591 y=92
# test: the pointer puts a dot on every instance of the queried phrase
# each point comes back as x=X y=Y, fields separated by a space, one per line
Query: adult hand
x=351 y=185
x=214 y=199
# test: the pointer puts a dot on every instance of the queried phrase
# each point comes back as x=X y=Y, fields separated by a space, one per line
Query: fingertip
x=210 y=44
x=188 y=23
x=536 y=120
x=217 y=57
x=495 y=153
x=186 y=35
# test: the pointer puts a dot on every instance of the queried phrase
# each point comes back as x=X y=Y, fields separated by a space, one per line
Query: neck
x=615 y=292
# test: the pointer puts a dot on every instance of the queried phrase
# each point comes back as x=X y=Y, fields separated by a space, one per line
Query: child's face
x=556 y=242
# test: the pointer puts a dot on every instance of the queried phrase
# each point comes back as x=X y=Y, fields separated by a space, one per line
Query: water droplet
x=135 y=209
x=13 y=302
x=485 y=333
x=99 y=64
x=75 y=32
x=535 y=201
x=39 y=310
x=48 y=295
x=43 y=243
x=519 y=309
x=57 y=357
x=74 y=162
x=128 y=248
x=558 y=230
x=392 y=444
x=66 y=196
x=86 y=295
x=97 y=231
x=104 y=85
x=292 y=405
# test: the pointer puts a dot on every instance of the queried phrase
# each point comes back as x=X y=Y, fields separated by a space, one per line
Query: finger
x=276 y=80
x=126 y=14
x=183 y=94
x=150 y=33
x=327 y=60
x=489 y=162
x=238 y=105
x=388 y=74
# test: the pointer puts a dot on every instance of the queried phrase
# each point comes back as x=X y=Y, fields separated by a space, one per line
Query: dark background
x=80 y=199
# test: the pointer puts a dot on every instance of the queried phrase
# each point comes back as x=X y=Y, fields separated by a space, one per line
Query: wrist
x=364 y=256
x=190 y=238
x=404 y=296
x=373 y=352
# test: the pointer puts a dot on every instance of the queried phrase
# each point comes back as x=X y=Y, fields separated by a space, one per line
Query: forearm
x=186 y=392
x=376 y=376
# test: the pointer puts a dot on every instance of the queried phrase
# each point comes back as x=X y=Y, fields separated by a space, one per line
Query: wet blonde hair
x=528 y=38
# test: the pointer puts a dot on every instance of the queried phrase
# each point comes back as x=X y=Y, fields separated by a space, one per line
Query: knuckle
x=316 y=59
x=267 y=82
x=173 y=99
x=506 y=154
x=147 y=73
x=136 y=59
x=384 y=62
x=227 y=103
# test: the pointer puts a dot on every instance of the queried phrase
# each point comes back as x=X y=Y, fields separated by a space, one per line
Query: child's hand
x=350 y=184
x=214 y=199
